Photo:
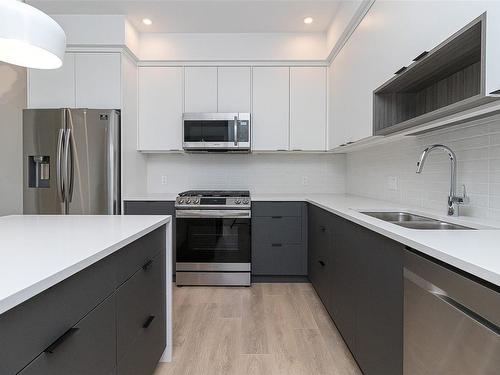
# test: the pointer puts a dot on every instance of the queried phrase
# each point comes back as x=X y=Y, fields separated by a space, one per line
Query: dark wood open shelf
x=447 y=80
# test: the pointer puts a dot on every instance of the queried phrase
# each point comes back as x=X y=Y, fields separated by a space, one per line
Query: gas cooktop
x=215 y=193
x=213 y=199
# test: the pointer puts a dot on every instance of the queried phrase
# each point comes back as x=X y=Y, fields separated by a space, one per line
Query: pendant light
x=29 y=37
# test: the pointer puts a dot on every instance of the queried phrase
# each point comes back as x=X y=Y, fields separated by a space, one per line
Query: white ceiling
x=187 y=16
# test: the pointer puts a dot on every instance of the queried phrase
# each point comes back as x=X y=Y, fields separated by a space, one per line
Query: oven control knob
x=188 y=201
x=245 y=201
x=197 y=201
x=181 y=201
x=237 y=201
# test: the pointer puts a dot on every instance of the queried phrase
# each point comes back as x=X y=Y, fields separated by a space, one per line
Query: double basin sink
x=412 y=221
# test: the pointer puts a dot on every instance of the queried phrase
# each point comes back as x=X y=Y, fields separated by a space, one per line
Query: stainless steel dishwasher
x=451 y=322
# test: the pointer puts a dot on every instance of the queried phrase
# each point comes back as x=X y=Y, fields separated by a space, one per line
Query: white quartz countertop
x=37 y=252
x=474 y=251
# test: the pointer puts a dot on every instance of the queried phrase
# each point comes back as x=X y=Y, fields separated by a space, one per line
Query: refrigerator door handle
x=68 y=165
x=59 y=177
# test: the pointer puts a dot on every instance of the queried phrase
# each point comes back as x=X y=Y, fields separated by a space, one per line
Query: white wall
x=260 y=173
x=478 y=151
x=243 y=46
x=12 y=102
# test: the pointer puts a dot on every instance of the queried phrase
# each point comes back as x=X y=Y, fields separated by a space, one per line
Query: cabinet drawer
x=89 y=348
x=277 y=208
x=29 y=328
x=277 y=230
x=279 y=259
x=140 y=303
x=138 y=253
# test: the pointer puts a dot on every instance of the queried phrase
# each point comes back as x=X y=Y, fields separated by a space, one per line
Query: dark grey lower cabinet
x=358 y=274
x=154 y=208
x=279 y=239
x=89 y=348
x=109 y=318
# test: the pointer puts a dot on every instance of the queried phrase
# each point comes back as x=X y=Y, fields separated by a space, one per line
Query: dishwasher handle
x=444 y=297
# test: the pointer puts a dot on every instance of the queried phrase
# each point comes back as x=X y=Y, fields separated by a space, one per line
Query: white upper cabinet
x=53 y=88
x=233 y=93
x=86 y=80
x=160 y=108
x=200 y=89
x=376 y=50
x=270 y=116
x=98 y=80
x=308 y=108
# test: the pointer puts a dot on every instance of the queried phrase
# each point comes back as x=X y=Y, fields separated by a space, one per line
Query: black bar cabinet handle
x=50 y=349
x=276 y=217
x=147 y=265
x=276 y=245
x=321 y=262
x=148 y=321
x=400 y=70
x=420 y=56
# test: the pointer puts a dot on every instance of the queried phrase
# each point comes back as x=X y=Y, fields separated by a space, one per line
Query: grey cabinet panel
x=319 y=254
x=279 y=239
x=277 y=230
x=154 y=208
x=379 y=345
x=358 y=275
x=91 y=349
x=277 y=208
x=138 y=299
x=138 y=253
x=140 y=347
x=29 y=328
x=279 y=259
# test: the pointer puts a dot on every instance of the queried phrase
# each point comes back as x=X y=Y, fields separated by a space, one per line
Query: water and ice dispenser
x=38 y=171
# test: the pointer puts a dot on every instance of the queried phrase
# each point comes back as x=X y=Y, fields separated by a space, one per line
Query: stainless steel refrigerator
x=71 y=161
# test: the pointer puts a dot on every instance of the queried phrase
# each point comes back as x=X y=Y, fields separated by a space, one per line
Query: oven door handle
x=223 y=214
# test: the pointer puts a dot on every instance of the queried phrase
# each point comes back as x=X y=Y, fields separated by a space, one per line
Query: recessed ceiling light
x=308 y=20
x=147 y=21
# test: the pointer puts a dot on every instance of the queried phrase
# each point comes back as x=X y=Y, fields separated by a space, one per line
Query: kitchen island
x=84 y=294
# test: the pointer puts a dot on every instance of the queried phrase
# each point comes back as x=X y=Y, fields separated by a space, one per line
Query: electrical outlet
x=305 y=180
x=392 y=183
x=163 y=180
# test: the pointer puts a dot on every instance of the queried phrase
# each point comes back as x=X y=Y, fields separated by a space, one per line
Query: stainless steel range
x=213 y=238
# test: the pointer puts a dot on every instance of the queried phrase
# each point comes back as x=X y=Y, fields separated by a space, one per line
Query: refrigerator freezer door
x=42 y=189
x=93 y=162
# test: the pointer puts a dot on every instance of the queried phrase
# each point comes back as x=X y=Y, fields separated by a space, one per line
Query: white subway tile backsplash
x=478 y=152
x=260 y=173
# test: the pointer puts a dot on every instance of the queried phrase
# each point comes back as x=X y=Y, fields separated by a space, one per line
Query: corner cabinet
x=86 y=80
x=271 y=108
x=358 y=275
x=308 y=108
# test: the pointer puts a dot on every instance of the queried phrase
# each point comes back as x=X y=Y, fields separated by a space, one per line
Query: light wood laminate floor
x=265 y=329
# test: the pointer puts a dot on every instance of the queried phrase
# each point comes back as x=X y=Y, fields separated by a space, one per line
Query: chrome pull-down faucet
x=453 y=199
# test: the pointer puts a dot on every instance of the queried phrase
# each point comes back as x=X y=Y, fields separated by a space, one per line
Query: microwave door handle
x=235 y=130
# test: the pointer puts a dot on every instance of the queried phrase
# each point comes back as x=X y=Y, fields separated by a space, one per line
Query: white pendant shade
x=29 y=37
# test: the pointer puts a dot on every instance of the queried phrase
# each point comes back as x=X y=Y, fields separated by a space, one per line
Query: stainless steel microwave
x=216 y=132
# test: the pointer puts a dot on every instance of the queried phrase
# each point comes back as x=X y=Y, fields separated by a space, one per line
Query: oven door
x=223 y=131
x=213 y=240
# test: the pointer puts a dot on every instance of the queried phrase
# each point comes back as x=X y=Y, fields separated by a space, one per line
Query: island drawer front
x=277 y=230
x=140 y=308
x=137 y=254
x=90 y=349
x=31 y=327
x=275 y=209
